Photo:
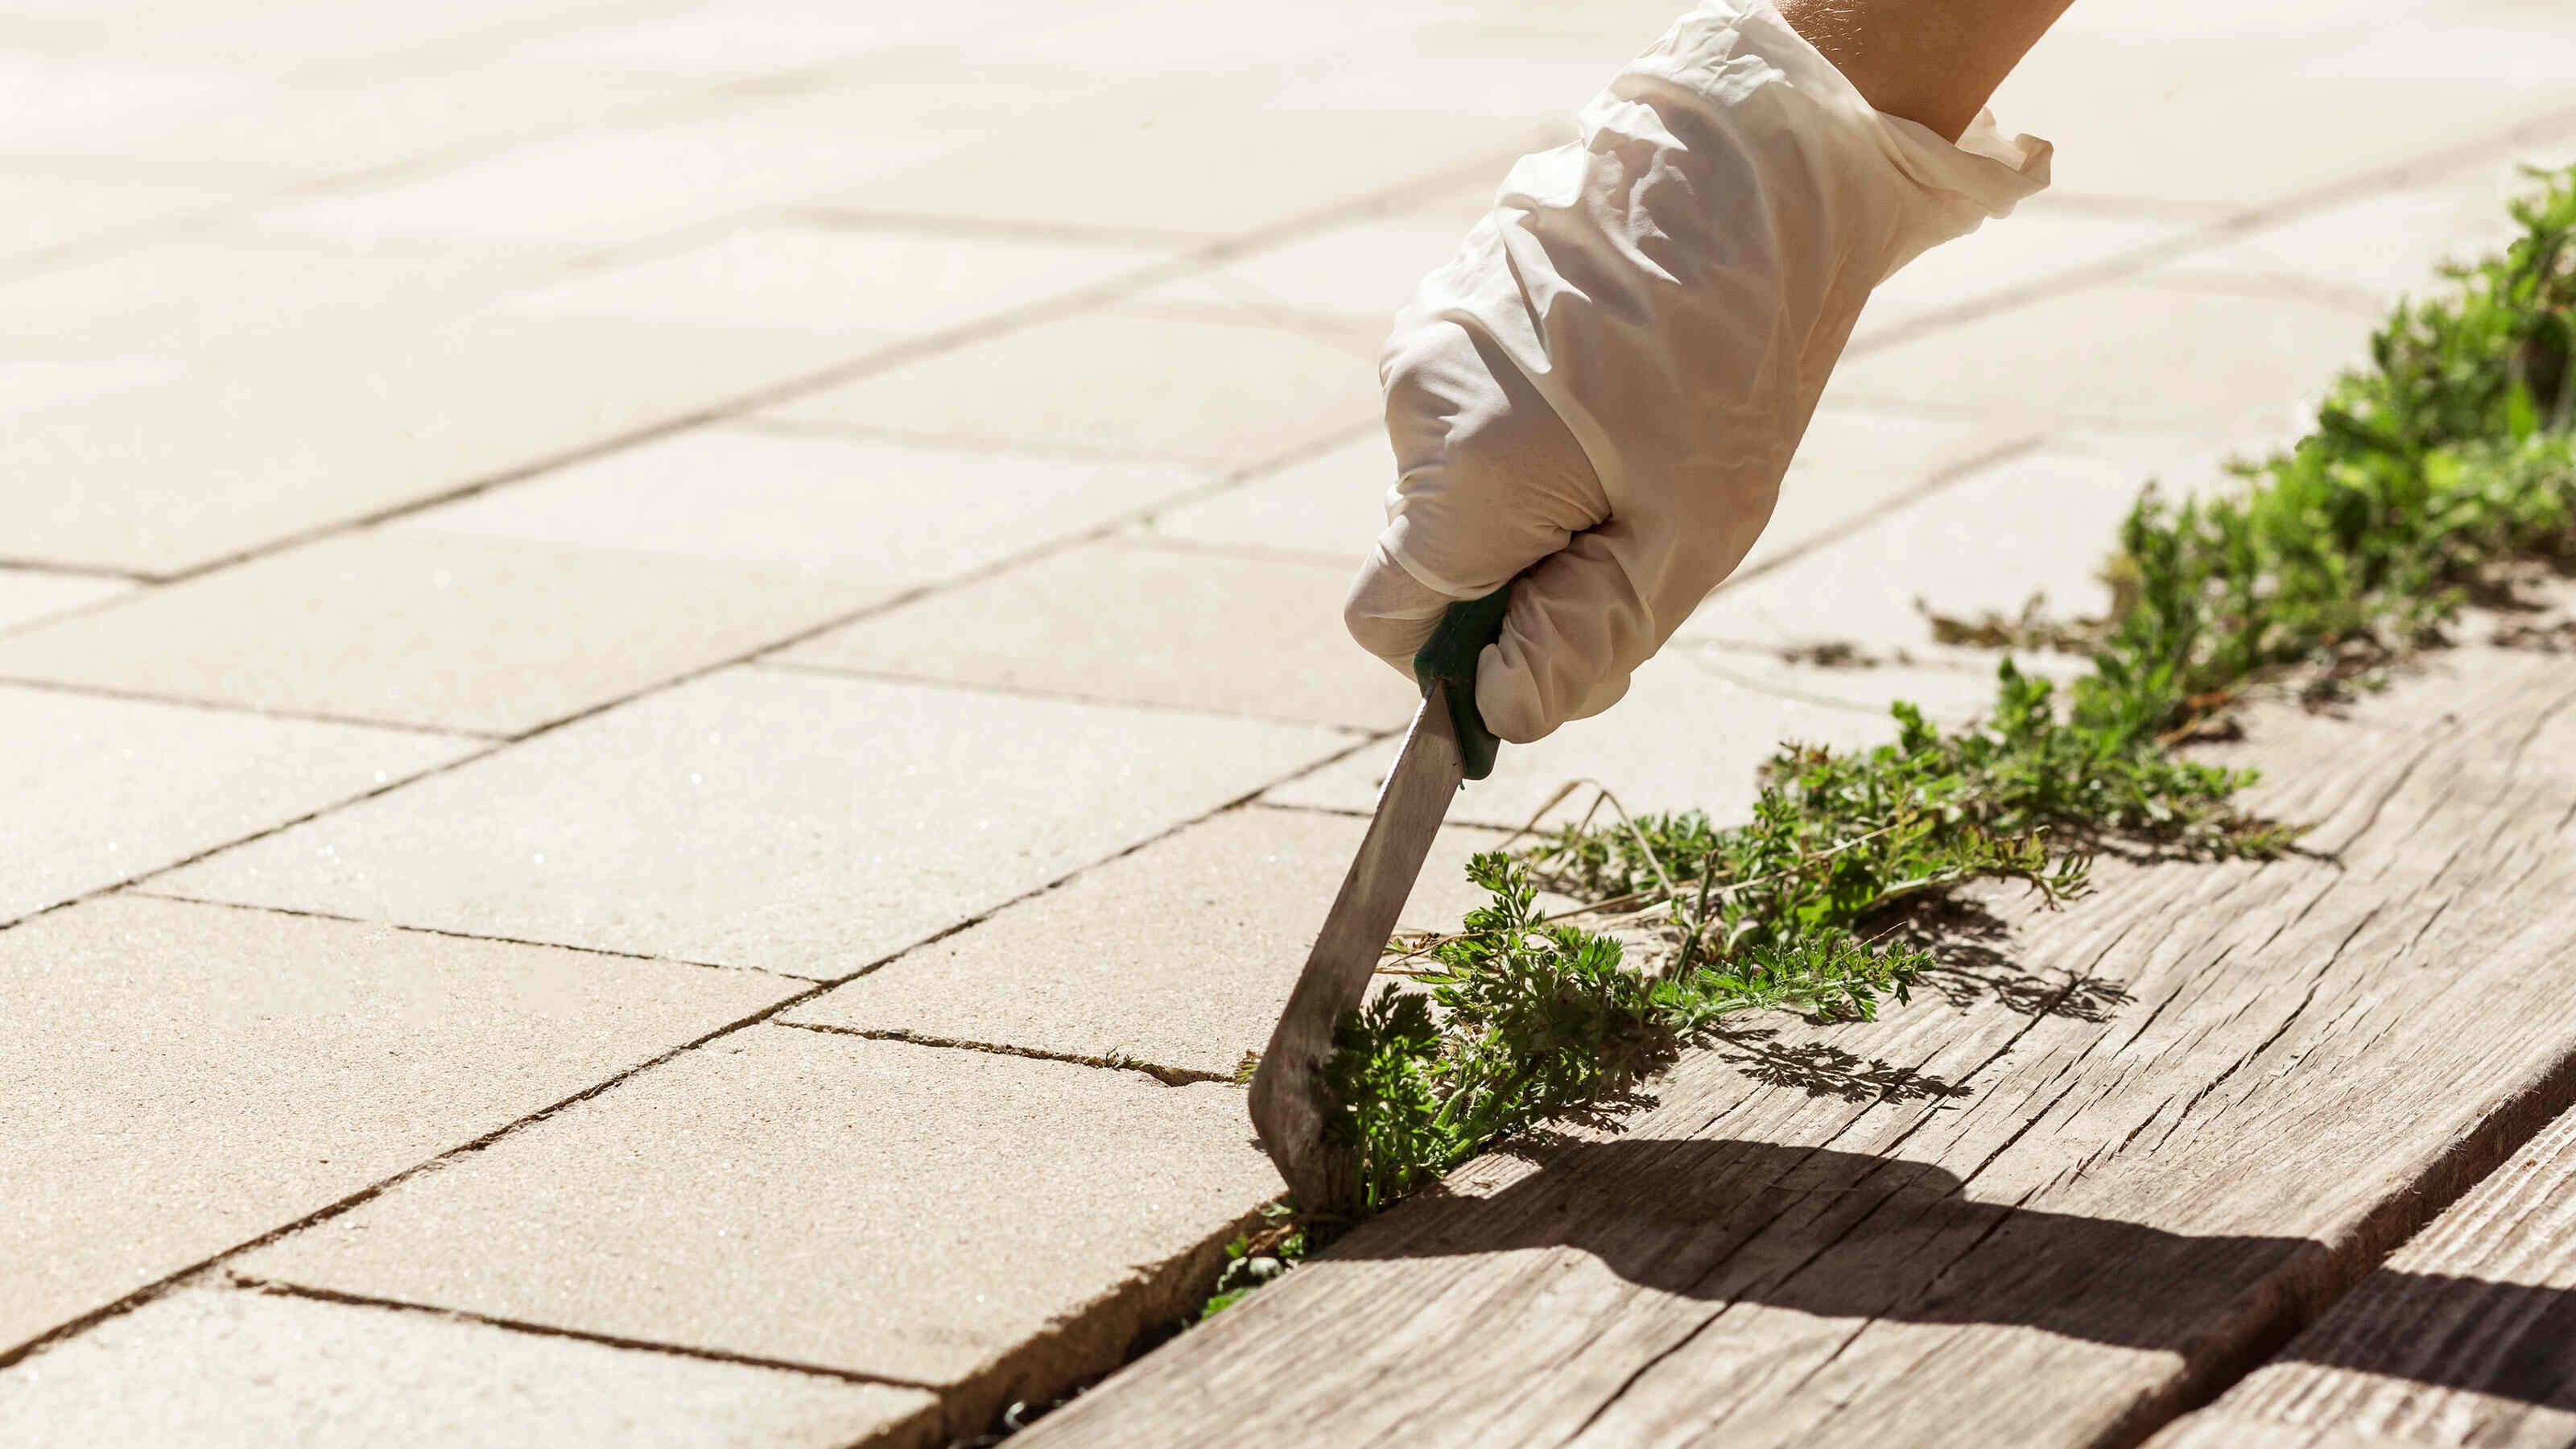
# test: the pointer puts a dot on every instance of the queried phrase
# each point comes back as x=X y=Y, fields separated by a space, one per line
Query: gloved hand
x=1609 y=378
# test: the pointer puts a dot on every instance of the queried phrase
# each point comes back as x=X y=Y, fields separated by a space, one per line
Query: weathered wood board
x=2467 y=1336
x=2144 y=1140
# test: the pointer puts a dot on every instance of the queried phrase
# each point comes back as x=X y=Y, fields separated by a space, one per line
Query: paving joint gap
x=453 y=935
x=140 y=696
x=11 y=1355
x=280 y=1288
x=1168 y=1076
x=1067 y=304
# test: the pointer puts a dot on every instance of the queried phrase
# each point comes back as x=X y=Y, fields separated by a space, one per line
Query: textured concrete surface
x=670 y=328
x=180 y=1078
x=1142 y=625
x=1328 y=506
x=1236 y=901
x=1138 y=386
x=788 y=820
x=102 y=790
x=815 y=1198
x=26 y=595
x=432 y=632
x=892 y=512
x=216 y=1368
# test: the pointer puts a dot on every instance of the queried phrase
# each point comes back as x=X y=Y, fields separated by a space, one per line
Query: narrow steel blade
x=1290 y=1104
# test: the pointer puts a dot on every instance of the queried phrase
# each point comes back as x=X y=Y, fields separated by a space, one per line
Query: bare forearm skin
x=1934 y=62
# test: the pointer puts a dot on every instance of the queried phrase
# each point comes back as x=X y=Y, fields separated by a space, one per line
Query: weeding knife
x=1448 y=744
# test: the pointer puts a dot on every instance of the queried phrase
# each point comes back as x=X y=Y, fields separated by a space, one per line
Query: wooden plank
x=2467 y=1336
x=2142 y=1142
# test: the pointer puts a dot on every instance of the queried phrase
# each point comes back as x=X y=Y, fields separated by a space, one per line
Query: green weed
x=2431 y=476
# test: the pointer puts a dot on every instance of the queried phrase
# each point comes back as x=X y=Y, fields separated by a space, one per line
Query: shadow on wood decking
x=1848 y=1235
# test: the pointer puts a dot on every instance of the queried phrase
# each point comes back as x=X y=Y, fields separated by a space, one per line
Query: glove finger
x=1489 y=479
x=1578 y=627
x=1390 y=612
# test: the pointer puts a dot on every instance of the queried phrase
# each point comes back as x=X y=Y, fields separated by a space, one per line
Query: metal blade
x=1289 y=1101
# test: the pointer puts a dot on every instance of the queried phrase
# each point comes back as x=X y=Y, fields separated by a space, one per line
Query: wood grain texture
x=2466 y=1336
x=2119 y=1154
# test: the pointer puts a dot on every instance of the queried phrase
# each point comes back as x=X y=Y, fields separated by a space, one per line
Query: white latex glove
x=1612 y=373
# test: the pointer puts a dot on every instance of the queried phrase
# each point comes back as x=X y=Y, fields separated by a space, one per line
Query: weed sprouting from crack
x=2441 y=474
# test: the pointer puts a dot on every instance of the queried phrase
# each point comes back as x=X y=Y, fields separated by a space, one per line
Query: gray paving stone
x=1856 y=462
x=278 y=438
x=30 y=594
x=41 y=210
x=1217 y=168
x=817 y=1198
x=216 y=1368
x=283 y=129
x=2032 y=248
x=617 y=184
x=181 y=1078
x=1139 y=624
x=1329 y=506
x=431 y=631
x=1363 y=272
x=2323 y=116
x=104 y=790
x=2390 y=244
x=894 y=512
x=1687 y=737
x=1179 y=955
x=1130 y=386
x=839 y=279
x=2129 y=354
x=762 y=817
x=310 y=36
x=2038 y=523
x=51 y=100
x=198 y=296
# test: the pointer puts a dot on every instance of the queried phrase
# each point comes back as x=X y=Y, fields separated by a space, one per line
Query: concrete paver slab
x=104 y=790
x=1134 y=386
x=181 y=1078
x=1214 y=169
x=316 y=127
x=320 y=34
x=30 y=594
x=1685 y=738
x=2040 y=523
x=2033 y=247
x=608 y=185
x=839 y=280
x=1855 y=463
x=729 y=39
x=48 y=100
x=41 y=210
x=1331 y=506
x=1140 y=624
x=1179 y=955
x=272 y=441
x=2390 y=244
x=796 y=821
x=2133 y=354
x=33 y=386
x=217 y=1368
x=1362 y=272
x=196 y=296
x=893 y=512
x=430 y=631
x=2324 y=118
x=817 y=1198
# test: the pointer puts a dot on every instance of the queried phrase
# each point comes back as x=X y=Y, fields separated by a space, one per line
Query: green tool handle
x=1450 y=657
